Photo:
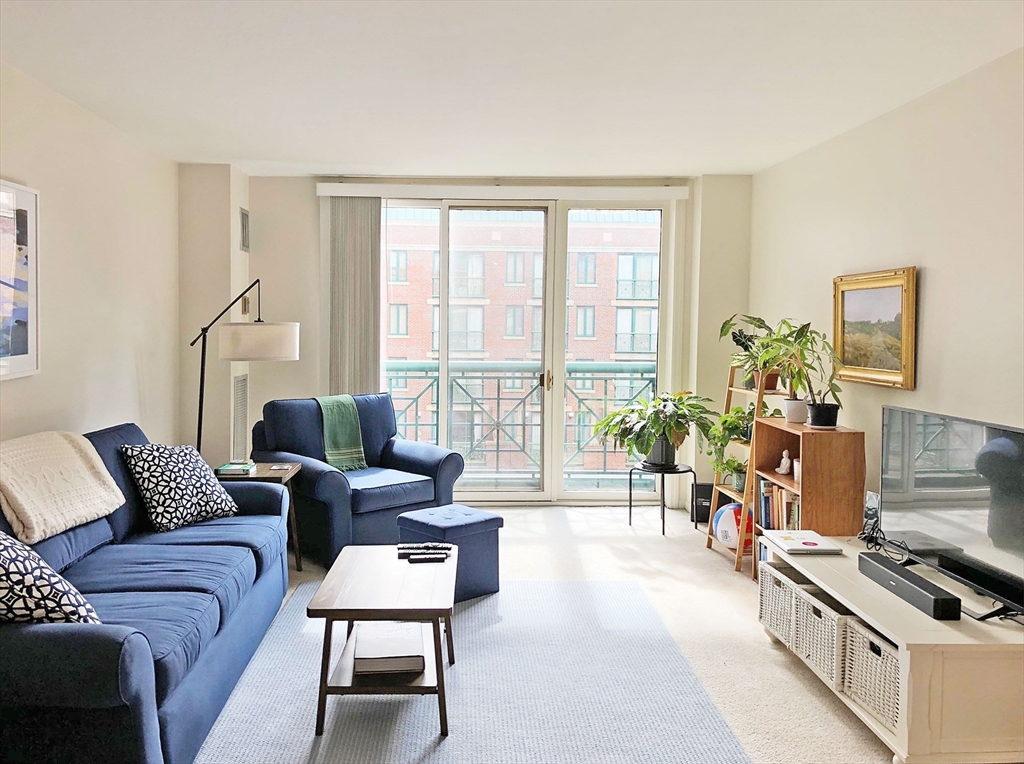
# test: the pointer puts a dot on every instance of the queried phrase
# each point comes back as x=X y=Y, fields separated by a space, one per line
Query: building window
x=538 y=277
x=585 y=321
x=586 y=268
x=514 y=321
x=435 y=329
x=398 y=320
x=515 y=267
x=584 y=427
x=636 y=330
x=466 y=328
x=514 y=382
x=584 y=380
x=398 y=266
x=638 y=277
x=464 y=430
x=536 y=329
x=435 y=276
x=467 y=274
x=398 y=380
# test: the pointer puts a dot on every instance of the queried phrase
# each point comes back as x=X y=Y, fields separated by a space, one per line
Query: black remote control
x=433 y=557
x=427 y=545
x=404 y=554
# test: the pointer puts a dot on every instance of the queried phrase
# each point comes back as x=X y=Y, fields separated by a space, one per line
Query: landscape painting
x=18 y=276
x=874 y=326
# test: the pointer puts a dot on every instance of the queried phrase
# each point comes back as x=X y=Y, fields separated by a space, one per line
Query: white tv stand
x=961 y=682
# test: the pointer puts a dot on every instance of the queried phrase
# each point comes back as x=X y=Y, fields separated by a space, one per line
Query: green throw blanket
x=343 y=442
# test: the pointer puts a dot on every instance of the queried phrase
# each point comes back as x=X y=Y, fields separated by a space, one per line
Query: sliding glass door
x=473 y=293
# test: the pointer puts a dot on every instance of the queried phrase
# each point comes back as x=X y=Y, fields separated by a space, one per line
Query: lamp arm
x=232 y=304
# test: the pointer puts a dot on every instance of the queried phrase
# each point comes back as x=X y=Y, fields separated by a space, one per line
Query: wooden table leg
x=294 y=528
x=325 y=668
x=441 y=706
x=451 y=641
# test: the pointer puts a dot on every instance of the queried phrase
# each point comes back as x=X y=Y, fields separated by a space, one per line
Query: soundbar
x=920 y=592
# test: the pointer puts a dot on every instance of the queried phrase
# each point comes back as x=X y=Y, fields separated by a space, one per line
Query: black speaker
x=907 y=585
x=700 y=512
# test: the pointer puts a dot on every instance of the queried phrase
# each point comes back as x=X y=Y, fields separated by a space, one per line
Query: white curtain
x=355 y=295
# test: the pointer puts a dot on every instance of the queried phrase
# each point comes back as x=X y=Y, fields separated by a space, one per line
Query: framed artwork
x=19 y=280
x=874 y=326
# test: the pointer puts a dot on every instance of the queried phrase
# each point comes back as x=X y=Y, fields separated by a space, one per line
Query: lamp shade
x=259 y=341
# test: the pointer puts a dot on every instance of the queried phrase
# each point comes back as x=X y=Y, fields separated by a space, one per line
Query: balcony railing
x=495 y=418
x=637 y=289
x=636 y=343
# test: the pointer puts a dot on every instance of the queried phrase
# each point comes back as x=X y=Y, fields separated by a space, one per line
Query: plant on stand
x=810 y=363
x=656 y=428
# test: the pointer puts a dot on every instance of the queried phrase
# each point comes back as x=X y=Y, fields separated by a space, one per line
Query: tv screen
x=955 y=481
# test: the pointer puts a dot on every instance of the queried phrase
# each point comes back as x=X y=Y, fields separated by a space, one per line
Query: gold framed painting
x=874 y=327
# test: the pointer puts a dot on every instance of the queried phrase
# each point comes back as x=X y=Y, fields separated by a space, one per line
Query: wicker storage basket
x=778 y=583
x=871 y=673
x=819 y=633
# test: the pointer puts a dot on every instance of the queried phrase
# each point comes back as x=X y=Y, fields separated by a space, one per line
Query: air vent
x=243 y=238
x=240 y=417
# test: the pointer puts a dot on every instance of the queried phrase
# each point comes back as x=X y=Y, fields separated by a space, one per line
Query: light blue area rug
x=545 y=672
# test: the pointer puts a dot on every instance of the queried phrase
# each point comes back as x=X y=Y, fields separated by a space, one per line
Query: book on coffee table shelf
x=803 y=542
x=389 y=647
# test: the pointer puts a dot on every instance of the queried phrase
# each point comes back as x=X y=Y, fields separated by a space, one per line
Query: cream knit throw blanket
x=52 y=481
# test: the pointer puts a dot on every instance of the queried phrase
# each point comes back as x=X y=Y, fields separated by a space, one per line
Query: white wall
x=284 y=218
x=108 y=249
x=937 y=183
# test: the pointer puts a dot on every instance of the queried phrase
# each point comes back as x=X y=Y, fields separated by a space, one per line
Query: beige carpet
x=780 y=711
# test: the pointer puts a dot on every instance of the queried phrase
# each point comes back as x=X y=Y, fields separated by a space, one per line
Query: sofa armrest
x=441 y=464
x=258 y=498
x=316 y=480
x=84 y=667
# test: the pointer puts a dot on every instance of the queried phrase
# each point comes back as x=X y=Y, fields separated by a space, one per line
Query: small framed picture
x=874 y=326
x=19 y=281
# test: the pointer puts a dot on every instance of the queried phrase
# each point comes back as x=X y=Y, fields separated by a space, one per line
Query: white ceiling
x=498 y=88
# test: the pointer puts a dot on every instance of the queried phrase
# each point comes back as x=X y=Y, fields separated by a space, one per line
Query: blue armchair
x=334 y=508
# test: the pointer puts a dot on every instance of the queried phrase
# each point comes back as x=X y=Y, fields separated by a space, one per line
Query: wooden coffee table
x=370 y=583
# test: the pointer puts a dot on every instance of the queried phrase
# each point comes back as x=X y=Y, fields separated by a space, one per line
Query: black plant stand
x=676 y=469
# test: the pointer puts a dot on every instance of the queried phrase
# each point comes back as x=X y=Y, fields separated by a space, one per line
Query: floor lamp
x=246 y=341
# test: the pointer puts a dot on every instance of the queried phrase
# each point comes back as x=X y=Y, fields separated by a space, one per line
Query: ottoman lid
x=450 y=521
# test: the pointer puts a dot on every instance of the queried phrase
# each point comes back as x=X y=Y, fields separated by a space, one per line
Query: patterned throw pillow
x=33 y=592
x=177 y=486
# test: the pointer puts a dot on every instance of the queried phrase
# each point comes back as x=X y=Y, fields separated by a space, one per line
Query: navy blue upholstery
x=177 y=624
x=334 y=509
x=473 y=531
x=182 y=614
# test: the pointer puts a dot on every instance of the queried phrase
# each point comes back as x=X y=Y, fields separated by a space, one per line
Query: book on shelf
x=236 y=468
x=803 y=542
x=389 y=647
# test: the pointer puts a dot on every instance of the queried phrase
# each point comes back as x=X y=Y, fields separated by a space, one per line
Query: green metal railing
x=495 y=416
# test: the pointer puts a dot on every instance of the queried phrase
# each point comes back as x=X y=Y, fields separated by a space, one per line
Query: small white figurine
x=786 y=465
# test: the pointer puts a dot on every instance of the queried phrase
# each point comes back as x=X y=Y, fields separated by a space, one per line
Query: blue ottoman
x=473 y=531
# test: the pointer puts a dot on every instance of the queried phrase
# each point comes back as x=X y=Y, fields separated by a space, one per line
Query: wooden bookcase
x=831 y=487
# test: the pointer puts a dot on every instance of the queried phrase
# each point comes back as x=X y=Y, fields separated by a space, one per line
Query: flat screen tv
x=952 y=497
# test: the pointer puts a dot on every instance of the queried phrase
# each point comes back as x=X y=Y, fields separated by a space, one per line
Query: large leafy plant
x=751 y=356
x=732 y=426
x=638 y=425
x=806 y=358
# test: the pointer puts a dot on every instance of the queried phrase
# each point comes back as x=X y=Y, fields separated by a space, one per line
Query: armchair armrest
x=316 y=480
x=258 y=498
x=441 y=464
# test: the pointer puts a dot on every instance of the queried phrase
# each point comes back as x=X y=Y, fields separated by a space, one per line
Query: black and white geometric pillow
x=33 y=592
x=177 y=486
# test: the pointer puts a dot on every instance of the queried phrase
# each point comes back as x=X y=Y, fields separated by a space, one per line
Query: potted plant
x=809 y=360
x=735 y=469
x=656 y=428
x=753 y=355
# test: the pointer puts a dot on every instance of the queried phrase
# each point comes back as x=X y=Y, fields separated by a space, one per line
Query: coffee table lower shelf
x=344 y=681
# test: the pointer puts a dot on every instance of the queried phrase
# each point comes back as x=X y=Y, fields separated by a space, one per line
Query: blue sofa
x=182 y=612
x=333 y=508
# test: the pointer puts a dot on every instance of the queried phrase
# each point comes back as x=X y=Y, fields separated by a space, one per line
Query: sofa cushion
x=376 y=424
x=380 y=488
x=296 y=426
x=70 y=546
x=264 y=535
x=178 y=625
x=179 y=488
x=226 y=572
x=130 y=517
x=33 y=592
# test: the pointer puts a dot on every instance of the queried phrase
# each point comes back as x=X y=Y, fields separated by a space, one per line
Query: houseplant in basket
x=656 y=428
x=810 y=363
